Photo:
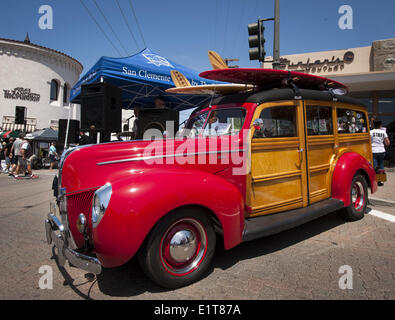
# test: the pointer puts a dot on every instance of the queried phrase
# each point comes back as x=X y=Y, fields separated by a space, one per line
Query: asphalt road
x=302 y=263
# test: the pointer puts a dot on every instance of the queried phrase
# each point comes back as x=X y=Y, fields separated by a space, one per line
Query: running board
x=267 y=225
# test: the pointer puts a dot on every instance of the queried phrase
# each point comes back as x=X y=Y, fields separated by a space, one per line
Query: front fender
x=346 y=168
x=140 y=200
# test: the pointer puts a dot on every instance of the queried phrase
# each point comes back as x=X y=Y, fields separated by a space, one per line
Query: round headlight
x=96 y=209
x=100 y=203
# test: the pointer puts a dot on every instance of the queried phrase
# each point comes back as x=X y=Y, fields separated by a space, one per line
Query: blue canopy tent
x=142 y=77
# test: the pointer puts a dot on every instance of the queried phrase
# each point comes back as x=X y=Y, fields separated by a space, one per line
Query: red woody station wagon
x=250 y=164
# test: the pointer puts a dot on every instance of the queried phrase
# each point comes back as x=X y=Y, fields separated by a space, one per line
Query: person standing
x=379 y=141
x=52 y=155
x=160 y=102
x=16 y=153
x=27 y=157
x=8 y=154
x=2 y=156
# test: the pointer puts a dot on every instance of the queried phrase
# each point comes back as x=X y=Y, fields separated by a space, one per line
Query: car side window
x=277 y=122
x=350 y=121
x=319 y=120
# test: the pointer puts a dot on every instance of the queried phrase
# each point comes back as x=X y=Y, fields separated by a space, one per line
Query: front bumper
x=55 y=232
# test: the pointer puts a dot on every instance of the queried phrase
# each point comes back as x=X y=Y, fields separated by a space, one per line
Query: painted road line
x=382 y=215
x=381 y=200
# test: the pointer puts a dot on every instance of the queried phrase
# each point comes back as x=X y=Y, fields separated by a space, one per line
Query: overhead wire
x=127 y=24
x=137 y=22
x=111 y=28
x=101 y=29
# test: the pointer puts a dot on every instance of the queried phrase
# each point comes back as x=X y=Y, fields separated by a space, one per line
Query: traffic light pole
x=276 y=45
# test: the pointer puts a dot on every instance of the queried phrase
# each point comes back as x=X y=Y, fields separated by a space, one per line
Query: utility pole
x=276 y=44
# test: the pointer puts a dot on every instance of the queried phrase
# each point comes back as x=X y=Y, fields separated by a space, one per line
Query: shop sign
x=21 y=94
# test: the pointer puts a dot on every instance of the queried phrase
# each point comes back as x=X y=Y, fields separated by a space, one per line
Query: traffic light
x=20 y=115
x=256 y=41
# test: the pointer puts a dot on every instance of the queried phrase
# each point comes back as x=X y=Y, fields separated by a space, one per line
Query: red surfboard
x=270 y=77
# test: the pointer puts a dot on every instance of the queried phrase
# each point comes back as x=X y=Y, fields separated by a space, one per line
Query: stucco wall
x=23 y=65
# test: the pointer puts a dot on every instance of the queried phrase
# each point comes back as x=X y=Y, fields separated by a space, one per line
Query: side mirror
x=258 y=123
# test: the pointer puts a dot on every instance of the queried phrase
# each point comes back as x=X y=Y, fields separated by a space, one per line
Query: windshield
x=218 y=123
x=224 y=122
x=195 y=125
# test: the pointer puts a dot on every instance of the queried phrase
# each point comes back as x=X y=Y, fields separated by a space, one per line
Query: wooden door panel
x=278 y=170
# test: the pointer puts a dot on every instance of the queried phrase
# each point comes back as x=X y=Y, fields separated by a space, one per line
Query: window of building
x=319 y=120
x=351 y=121
x=277 y=122
x=65 y=93
x=54 y=90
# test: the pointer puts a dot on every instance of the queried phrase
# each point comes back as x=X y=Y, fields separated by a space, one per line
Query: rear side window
x=319 y=120
x=350 y=121
x=277 y=122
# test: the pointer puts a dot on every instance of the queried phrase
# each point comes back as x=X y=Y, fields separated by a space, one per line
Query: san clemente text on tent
x=145 y=74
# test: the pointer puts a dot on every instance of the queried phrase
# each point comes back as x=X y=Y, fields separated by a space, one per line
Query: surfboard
x=179 y=79
x=273 y=78
x=216 y=60
x=211 y=89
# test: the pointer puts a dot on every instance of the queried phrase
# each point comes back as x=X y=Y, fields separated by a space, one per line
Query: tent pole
x=67 y=129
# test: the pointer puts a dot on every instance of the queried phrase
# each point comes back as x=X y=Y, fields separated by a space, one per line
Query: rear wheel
x=359 y=199
x=179 y=249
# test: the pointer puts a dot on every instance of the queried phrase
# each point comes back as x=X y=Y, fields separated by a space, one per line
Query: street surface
x=302 y=263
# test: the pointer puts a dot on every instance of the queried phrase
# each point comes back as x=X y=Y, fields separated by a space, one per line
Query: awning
x=10 y=134
x=48 y=134
x=142 y=77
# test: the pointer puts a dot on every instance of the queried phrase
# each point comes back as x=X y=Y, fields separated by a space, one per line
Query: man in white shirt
x=379 y=141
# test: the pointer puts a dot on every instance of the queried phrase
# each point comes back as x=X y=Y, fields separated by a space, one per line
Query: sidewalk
x=387 y=192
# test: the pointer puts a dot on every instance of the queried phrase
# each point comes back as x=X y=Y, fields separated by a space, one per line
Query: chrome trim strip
x=167 y=156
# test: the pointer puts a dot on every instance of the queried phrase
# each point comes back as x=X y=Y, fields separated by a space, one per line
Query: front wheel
x=179 y=249
x=359 y=199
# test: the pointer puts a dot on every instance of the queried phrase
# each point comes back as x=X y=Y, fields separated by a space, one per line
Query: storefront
x=368 y=71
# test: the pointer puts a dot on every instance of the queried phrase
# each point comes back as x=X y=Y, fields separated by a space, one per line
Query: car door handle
x=301 y=150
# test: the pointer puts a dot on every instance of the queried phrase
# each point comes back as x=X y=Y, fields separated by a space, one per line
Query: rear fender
x=345 y=169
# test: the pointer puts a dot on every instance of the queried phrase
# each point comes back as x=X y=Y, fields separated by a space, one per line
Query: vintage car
x=290 y=156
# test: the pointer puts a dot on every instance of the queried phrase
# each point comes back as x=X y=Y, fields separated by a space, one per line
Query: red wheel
x=358 y=198
x=183 y=247
x=179 y=249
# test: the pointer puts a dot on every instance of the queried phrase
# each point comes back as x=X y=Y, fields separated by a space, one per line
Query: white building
x=39 y=79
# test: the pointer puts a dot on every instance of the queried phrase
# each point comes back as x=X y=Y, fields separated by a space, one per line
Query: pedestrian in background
x=8 y=155
x=379 y=142
x=2 y=156
x=52 y=155
x=27 y=157
x=16 y=154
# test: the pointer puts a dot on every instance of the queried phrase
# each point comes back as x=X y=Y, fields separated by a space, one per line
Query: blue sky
x=184 y=30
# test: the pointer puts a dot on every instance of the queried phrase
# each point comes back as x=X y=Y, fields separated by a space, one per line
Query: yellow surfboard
x=216 y=60
x=179 y=79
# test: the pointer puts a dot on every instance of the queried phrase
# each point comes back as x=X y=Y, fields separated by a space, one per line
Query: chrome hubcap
x=358 y=196
x=183 y=247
